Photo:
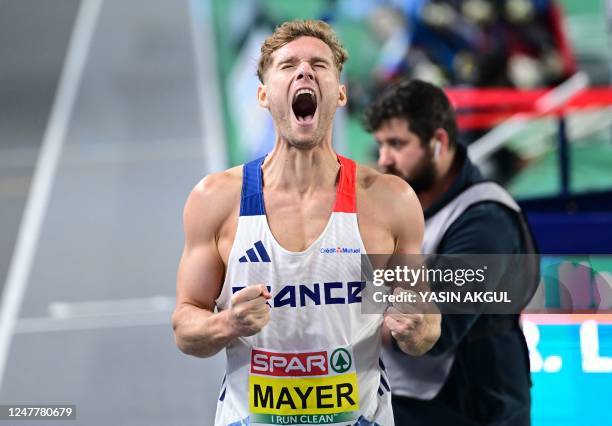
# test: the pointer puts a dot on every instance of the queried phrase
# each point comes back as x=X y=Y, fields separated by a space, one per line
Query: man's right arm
x=198 y=329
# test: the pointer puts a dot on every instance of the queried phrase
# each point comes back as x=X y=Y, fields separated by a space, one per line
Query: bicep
x=200 y=275
x=201 y=269
x=408 y=223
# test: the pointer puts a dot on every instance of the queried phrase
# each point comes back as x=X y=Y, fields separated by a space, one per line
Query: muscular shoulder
x=391 y=200
x=387 y=191
x=212 y=200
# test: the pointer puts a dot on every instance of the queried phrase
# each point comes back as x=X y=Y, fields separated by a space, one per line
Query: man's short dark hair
x=423 y=105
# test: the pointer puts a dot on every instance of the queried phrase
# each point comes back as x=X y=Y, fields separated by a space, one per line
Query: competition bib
x=303 y=388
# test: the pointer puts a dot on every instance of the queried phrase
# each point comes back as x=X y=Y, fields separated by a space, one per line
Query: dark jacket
x=490 y=381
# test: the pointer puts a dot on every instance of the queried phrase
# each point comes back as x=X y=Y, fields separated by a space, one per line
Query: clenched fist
x=248 y=311
x=414 y=331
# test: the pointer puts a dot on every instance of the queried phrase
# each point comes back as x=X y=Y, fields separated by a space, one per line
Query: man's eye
x=286 y=66
x=320 y=65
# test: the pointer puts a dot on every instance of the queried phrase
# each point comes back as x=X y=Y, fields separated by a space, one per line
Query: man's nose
x=385 y=159
x=305 y=71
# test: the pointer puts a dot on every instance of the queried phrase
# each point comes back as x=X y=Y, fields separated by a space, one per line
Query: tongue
x=303 y=119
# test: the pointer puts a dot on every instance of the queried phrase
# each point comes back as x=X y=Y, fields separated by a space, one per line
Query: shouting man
x=271 y=265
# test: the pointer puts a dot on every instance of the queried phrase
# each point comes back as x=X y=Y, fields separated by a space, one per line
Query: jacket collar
x=467 y=176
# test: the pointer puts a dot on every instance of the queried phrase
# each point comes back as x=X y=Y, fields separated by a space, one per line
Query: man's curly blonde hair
x=289 y=31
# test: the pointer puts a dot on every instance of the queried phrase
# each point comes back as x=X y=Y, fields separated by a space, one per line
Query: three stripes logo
x=251 y=256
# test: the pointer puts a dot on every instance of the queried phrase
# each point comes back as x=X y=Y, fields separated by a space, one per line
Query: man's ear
x=262 y=96
x=342 y=99
x=442 y=138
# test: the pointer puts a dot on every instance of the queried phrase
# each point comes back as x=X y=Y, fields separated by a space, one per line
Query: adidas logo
x=251 y=256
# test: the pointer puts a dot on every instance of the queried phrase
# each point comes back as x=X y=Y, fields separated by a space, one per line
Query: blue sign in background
x=571 y=396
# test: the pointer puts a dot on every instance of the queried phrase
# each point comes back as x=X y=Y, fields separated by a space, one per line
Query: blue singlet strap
x=251 y=201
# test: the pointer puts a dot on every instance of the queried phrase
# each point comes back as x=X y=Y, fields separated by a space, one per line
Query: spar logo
x=283 y=364
x=341 y=360
x=308 y=387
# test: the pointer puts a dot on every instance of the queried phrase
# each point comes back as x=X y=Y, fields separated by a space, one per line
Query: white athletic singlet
x=318 y=359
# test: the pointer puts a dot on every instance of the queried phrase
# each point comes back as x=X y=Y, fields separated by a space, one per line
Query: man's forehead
x=304 y=47
x=395 y=124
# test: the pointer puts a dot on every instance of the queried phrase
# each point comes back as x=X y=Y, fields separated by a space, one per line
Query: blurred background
x=110 y=112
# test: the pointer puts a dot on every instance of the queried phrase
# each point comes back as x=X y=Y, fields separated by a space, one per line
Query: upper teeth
x=307 y=91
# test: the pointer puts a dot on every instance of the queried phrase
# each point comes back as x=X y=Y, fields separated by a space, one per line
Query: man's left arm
x=415 y=332
x=472 y=233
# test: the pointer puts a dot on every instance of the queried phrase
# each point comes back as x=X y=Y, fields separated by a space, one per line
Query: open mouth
x=304 y=105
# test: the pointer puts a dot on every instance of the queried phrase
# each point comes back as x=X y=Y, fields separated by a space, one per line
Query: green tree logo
x=341 y=360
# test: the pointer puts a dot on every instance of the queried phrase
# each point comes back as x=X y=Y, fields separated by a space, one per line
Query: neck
x=445 y=175
x=300 y=170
